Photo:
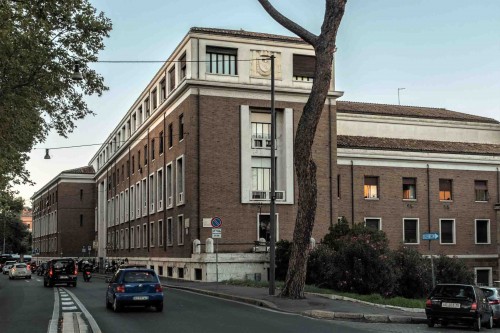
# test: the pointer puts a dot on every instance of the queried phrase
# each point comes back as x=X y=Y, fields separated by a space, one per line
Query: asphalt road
x=26 y=306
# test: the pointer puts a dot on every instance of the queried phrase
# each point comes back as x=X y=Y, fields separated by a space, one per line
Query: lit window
x=445 y=189
x=481 y=190
x=409 y=188
x=371 y=187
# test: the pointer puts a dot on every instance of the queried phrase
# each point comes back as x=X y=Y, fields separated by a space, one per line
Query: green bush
x=415 y=279
x=452 y=270
x=283 y=250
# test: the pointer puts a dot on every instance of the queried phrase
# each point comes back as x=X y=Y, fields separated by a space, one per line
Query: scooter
x=87 y=275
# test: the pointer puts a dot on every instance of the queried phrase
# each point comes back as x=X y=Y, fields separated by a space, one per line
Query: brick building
x=63 y=214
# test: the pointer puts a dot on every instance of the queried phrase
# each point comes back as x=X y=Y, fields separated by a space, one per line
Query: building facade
x=63 y=215
x=27 y=217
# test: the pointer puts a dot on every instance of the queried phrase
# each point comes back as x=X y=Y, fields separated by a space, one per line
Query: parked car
x=61 y=270
x=493 y=296
x=458 y=304
x=41 y=269
x=134 y=287
x=7 y=266
x=19 y=270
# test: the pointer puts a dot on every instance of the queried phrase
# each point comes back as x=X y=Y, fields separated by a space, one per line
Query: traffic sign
x=430 y=236
x=84 y=249
x=216 y=222
x=216 y=233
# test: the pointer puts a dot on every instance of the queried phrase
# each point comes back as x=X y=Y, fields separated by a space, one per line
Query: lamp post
x=272 y=245
x=399 y=89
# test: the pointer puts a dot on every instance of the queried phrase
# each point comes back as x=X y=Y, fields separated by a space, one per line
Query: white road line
x=67 y=303
x=91 y=320
x=55 y=314
x=69 y=308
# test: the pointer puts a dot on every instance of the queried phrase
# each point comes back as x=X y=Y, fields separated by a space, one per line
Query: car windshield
x=21 y=266
x=465 y=292
x=139 y=276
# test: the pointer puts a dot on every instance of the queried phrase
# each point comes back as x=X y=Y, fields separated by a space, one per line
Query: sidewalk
x=315 y=305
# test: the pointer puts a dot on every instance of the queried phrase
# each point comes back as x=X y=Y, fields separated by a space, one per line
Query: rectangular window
x=144 y=197
x=152 y=149
x=122 y=208
x=127 y=200
x=373 y=222
x=222 y=60
x=446 y=231
x=261 y=178
x=170 y=135
x=481 y=190
x=170 y=237
x=160 y=233
x=163 y=90
x=154 y=99
x=138 y=237
x=411 y=232
x=180 y=230
x=409 y=188
x=147 y=107
x=126 y=238
x=145 y=154
x=181 y=127
x=138 y=200
x=134 y=122
x=445 y=189
x=338 y=186
x=171 y=79
x=81 y=220
x=303 y=67
x=81 y=195
x=182 y=71
x=483 y=232
x=151 y=234
x=128 y=169
x=152 y=198
x=159 y=188
x=180 y=180
x=170 y=186
x=122 y=239
x=371 y=187
x=141 y=116
x=483 y=276
x=261 y=135
x=160 y=146
x=144 y=235
x=264 y=226
x=132 y=202
x=132 y=238
x=139 y=161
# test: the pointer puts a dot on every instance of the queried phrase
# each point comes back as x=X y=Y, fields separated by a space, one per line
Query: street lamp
x=77 y=76
x=399 y=89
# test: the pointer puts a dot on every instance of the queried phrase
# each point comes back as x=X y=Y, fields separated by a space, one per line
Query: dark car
x=458 y=304
x=493 y=295
x=134 y=287
x=60 y=271
x=42 y=268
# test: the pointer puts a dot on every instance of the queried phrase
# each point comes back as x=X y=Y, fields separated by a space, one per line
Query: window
x=122 y=239
x=482 y=231
x=126 y=204
x=483 y=276
x=126 y=238
x=171 y=79
x=138 y=200
x=170 y=135
x=373 y=222
x=134 y=122
x=147 y=107
x=180 y=230
x=163 y=90
x=151 y=234
x=338 y=186
x=138 y=237
x=139 y=161
x=132 y=202
x=409 y=188
x=81 y=220
x=180 y=180
x=182 y=71
x=261 y=135
x=181 y=127
x=146 y=154
x=144 y=197
x=121 y=207
x=152 y=188
x=128 y=169
x=160 y=143
x=410 y=231
x=170 y=187
x=446 y=231
x=170 y=238
x=303 y=67
x=152 y=149
x=159 y=188
x=445 y=186
x=261 y=178
x=371 y=187
x=481 y=190
x=160 y=233
x=144 y=235
x=81 y=194
x=132 y=239
x=264 y=226
x=141 y=116
x=154 y=99
x=221 y=60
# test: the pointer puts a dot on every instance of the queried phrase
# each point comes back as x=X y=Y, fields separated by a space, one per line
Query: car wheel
x=116 y=306
x=490 y=322
x=159 y=307
x=477 y=324
x=430 y=322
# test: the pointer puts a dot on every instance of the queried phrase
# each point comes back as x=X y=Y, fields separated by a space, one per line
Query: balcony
x=266 y=195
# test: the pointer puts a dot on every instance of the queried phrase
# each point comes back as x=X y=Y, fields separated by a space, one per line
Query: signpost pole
x=433 y=273
x=217 y=264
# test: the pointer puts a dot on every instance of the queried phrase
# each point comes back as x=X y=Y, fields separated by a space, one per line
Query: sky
x=444 y=53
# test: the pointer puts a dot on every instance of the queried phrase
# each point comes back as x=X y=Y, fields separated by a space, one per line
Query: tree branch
x=289 y=24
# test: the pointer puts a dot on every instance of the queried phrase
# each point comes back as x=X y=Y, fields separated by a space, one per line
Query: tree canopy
x=40 y=41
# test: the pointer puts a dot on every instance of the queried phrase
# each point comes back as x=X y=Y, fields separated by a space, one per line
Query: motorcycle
x=87 y=275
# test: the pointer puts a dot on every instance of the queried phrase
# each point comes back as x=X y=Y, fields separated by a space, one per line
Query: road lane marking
x=69 y=308
x=55 y=314
x=93 y=324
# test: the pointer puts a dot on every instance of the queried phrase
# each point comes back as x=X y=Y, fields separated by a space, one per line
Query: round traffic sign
x=216 y=222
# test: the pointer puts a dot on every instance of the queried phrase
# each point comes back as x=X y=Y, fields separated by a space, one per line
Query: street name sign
x=430 y=236
x=216 y=233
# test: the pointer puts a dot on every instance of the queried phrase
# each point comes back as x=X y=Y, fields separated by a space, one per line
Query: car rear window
x=62 y=263
x=139 y=276
x=21 y=266
x=454 y=292
x=488 y=292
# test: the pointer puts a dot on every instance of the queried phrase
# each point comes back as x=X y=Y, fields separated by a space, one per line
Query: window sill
x=482 y=201
x=447 y=243
x=373 y=199
x=410 y=200
x=482 y=243
x=445 y=200
x=411 y=243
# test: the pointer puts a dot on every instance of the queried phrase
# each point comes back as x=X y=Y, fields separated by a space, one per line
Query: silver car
x=493 y=296
x=20 y=270
x=7 y=266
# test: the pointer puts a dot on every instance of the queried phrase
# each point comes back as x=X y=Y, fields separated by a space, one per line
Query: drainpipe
x=330 y=171
x=428 y=204
x=198 y=171
x=352 y=193
x=129 y=176
x=146 y=153
x=164 y=185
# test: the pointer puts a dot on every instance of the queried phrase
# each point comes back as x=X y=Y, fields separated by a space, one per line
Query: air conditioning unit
x=181 y=198
x=169 y=201
x=259 y=195
x=257 y=143
x=280 y=195
x=160 y=204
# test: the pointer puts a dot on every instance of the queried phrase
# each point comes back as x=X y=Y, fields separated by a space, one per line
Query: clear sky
x=444 y=53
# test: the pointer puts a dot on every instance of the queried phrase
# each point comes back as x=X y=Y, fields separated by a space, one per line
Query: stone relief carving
x=261 y=68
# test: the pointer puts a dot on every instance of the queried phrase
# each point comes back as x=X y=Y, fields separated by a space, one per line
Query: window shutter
x=371 y=181
x=481 y=185
x=303 y=65
x=445 y=185
x=409 y=181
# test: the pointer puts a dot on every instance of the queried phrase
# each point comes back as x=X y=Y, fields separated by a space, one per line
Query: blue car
x=134 y=287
